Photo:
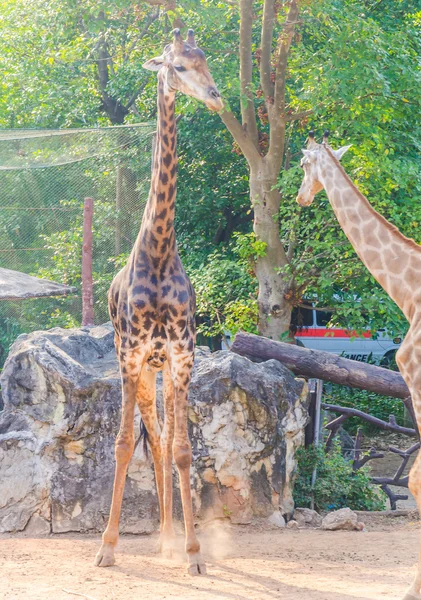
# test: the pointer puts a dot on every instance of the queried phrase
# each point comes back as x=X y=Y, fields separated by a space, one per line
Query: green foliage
x=11 y=328
x=336 y=486
x=226 y=288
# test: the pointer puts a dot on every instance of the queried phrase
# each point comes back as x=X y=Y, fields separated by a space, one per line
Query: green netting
x=44 y=178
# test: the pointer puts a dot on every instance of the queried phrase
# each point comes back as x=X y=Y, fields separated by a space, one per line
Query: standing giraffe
x=152 y=307
x=393 y=259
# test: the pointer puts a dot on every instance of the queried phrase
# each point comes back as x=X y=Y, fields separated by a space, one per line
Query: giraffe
x=152 y=308
x=393 y=259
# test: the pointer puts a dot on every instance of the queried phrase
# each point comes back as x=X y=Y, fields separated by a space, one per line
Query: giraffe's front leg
x=181 y=371
x=167 y=538
x=124 y=447
x=414 y=592
x=408 y=357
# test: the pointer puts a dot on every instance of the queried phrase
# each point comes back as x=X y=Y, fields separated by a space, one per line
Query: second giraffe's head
x=184 y=69
x=312 y=163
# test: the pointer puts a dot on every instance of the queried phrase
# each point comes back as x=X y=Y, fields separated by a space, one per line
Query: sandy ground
x=244 y=563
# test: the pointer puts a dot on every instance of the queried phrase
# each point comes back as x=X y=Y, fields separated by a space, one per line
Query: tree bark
x=323 y=365
x=274 y=309
x=116 y=112
x=248 y=113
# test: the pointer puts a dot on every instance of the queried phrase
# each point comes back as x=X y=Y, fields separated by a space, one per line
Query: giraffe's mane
x=382 y=219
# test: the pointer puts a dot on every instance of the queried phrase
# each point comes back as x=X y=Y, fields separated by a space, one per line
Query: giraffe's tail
x=143 y=435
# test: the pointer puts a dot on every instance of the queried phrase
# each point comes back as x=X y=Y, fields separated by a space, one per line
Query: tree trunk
x=274 y=309
x=323 y=365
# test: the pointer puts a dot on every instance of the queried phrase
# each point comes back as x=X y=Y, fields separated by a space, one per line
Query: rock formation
x=61 y=394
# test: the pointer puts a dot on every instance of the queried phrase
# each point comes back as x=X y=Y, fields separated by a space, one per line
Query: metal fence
x=44 y=178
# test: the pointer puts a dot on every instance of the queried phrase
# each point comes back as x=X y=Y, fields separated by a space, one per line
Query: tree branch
x=241 y=137
x=388 y=426
x=298 y=115
x=114 y=109
x=276 y=111
x=267 y=37
x=136 y=94
x=246 y=71
x=168 y=4
x=152 y=17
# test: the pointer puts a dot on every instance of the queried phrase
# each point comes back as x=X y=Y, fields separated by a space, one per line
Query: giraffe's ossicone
x=152 y=307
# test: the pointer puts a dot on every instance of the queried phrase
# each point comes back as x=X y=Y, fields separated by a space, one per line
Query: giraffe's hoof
x=167 y=547
x=167 y=544
x=105 y=556
x=196 y=565
x=167 y=552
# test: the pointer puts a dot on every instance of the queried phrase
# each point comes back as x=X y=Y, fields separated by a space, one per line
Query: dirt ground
x=244 y=563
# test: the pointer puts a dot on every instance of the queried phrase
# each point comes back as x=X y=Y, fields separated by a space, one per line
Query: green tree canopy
x=353 y=67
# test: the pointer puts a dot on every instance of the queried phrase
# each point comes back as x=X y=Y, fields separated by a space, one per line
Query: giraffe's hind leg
x=124 y=447
x=146 y=401
x=181 y=368
x=408 y=358
x=167 y=540
x=414 y=592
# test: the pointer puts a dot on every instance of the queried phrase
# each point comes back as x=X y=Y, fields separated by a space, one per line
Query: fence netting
x=44 y=178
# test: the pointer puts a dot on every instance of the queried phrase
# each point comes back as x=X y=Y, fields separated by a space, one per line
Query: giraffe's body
x=393 y=259
x=152 y=307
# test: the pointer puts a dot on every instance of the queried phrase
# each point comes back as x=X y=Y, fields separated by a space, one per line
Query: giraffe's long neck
x=157 y=236
x=393 y=259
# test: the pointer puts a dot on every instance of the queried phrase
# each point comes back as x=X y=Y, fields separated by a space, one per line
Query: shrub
x=337 y=485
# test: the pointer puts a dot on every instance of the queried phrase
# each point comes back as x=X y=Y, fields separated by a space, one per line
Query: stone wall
x=61 y=394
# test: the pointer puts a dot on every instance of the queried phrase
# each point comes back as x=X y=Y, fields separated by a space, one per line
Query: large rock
x=306 y=517
x=344 y=518
x=62 y=395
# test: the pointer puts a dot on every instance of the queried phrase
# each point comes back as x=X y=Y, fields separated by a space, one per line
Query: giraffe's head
x=314 y=156
x=184 y=68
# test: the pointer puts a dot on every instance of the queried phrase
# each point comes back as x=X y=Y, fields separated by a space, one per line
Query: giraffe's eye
x=179 y=68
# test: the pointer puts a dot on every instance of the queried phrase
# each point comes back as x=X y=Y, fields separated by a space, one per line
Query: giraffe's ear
x=154 y=64
x=339 y=153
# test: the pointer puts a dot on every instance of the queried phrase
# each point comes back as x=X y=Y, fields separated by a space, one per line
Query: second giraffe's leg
x=167 y=527
x=124 y=447
x=146 y=400
x=408 y=358
x=181 y=372
x=414 y=592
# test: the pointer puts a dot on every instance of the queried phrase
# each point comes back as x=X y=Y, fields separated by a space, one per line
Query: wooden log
x=323 y=365
x=387 y=426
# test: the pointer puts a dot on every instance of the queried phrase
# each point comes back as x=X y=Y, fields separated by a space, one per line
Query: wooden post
x=317 y=431
x=309 y=430
x=118 y=206
x=87 y=286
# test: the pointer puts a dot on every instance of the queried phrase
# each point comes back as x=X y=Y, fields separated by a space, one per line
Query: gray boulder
x=62 y=395
x=344 y=518
x=306 y=517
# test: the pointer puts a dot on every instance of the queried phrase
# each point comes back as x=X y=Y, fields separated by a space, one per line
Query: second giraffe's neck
x=387 y=254
x=157 y=231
